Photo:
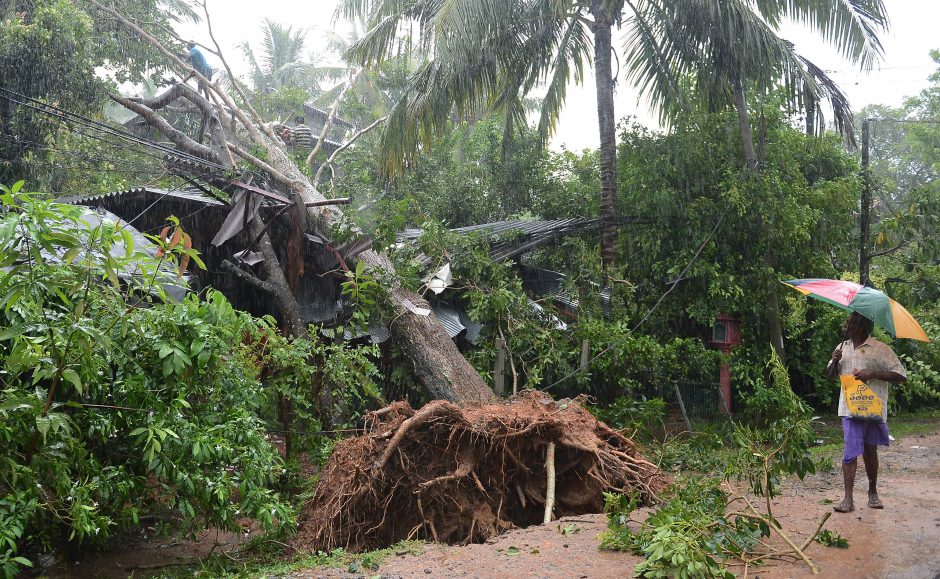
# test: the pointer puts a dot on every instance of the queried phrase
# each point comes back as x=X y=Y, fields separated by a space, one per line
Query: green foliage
x=831 y=539
x=115 y=401
x=686 y=536
x=630 y=414
x=640 y=363
x=364 y=293
x=686 y=179
x=776 y=439
x=705 y=451
x=68 y=54
x=464 y=178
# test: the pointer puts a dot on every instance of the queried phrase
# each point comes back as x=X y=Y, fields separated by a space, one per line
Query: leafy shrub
x=688 y=534
x=631 y=414
x=117 y=402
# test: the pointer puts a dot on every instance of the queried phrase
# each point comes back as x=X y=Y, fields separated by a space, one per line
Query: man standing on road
x=875 y=364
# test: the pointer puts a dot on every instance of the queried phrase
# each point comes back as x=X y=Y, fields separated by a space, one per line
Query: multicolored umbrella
x=869 y=302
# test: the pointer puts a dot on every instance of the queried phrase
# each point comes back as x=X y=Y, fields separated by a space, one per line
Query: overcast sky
x=903 y=71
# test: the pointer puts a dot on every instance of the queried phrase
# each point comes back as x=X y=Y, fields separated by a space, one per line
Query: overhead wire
x=66 y=115
x=679 y=278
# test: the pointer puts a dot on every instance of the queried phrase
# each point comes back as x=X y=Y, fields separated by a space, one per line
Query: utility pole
x=865 y=217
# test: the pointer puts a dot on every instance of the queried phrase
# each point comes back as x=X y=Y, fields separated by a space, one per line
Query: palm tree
x=282 y=62
x=491 y=53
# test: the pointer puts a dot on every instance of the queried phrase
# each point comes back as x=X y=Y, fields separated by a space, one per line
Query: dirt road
x=903 y=540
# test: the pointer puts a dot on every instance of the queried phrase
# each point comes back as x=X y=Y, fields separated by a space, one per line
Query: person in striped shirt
x=302 y=135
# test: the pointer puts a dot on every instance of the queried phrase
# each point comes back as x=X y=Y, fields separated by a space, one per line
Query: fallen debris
x=458 y=475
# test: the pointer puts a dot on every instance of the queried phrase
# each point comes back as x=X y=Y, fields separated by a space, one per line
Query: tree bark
x=439 y=366
x=772 y=309
x=608 y=138
x=747 y=137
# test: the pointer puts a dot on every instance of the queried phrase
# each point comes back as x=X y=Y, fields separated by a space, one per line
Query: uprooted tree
x=462 y=475
x=237 y=131
x=462 y=468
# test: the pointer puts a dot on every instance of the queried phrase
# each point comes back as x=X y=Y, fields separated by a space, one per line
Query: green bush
x=117 y=402
x=634 y=415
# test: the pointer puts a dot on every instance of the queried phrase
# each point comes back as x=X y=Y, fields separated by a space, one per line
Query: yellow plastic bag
x=861 y=401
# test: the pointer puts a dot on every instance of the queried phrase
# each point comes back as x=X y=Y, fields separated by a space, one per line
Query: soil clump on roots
x=458 y=475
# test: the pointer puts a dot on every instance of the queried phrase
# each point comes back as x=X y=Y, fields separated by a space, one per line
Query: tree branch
x=229 y=267
x=897 y=247
x=332 y=115
x=284 y=180
x=231 y=75
x=237 y=111
x=178 y=138
x=316 y=178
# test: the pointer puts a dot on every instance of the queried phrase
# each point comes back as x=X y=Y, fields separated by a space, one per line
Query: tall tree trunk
x=744 y=122
x=772 y=307
x=608 y=138
x=864 y=220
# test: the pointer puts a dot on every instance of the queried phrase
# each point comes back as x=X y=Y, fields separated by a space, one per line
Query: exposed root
x=465 y=474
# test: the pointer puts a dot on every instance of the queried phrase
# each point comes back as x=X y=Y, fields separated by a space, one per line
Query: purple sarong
x=860 y=433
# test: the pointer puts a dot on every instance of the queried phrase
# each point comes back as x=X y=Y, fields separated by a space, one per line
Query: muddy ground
x=903 y=540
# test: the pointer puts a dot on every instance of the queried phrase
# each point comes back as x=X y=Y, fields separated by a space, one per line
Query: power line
x=668 y=291
x=66 y=115
x=906 y=121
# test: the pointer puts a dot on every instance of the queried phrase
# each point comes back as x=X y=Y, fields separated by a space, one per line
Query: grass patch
x=901 y=425
x=914 y=423
x=260 y=559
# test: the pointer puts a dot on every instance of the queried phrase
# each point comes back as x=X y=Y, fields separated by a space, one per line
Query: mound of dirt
x=457 y=474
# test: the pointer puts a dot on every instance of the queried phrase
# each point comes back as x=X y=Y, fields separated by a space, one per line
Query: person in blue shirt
x=198 y=61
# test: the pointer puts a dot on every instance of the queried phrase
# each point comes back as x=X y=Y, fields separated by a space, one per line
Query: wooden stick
x=550 y=484
x=819 y=527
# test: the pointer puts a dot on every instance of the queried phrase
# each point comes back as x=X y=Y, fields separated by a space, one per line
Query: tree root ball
x=462 y=474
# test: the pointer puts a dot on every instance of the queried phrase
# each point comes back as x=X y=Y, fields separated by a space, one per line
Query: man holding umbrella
x=873 y=363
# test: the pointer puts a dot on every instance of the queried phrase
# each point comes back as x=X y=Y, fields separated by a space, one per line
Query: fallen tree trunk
x=441 y=369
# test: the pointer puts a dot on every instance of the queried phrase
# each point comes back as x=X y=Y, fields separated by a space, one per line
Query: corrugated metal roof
x=548 y=283
x=188 y=195
x=314 y=111
x=473 y=328
x=377 y=332
x=449 y=317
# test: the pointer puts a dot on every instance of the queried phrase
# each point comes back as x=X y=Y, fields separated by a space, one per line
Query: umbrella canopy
x=869 y=302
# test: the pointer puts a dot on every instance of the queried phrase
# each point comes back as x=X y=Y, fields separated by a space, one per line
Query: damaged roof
x=509 y=239
x=182 y=194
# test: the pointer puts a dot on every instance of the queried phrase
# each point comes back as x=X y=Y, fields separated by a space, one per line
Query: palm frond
x=851 y=26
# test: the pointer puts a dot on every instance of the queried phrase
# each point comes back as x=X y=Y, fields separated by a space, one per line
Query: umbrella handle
x=829 y=365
